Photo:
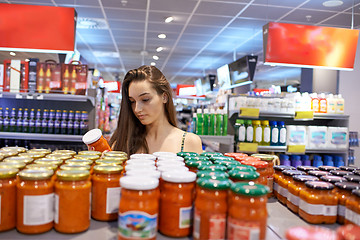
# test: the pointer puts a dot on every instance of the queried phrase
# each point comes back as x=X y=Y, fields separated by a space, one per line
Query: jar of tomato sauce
x=247 y=211
x=294 y=189
x=105 y=192
x=344 y=190
x=243 y=176
x=317 y=203
x=333 y=179
x=139 y=208
x=213 y=167
x=176 y=200
x=270 y=159
x=349 y=168
x=212 y=174
x=328 y=168
x=210 y=208
x=278 y=175
x=72 y=201
x=352 y=178
x=35 y=201
x=284 y=182
x=318 y=173
x=186 y=154
x=307 y=168
x=7 y=198
x=261 y=168
x=193 y=164
x=352 y=211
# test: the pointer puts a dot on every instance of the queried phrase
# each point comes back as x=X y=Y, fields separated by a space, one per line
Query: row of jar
x=320 y=195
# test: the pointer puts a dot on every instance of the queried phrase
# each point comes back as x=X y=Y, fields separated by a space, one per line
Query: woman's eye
x=146 y=100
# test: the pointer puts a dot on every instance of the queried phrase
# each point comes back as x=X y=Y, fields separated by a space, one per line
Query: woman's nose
x=137 y=107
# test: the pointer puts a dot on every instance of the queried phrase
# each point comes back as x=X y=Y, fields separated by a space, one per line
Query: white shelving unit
x=226 y=142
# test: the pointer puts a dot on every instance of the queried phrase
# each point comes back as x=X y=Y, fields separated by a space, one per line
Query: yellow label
x=249 y=112
x=295 y=149
x=304 y=115
x=248 y=147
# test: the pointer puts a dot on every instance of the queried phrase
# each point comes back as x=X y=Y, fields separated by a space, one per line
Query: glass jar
x=247 y=211
x=212 y=174
x=261 y=168
x=270 y=159
x=139 y=204
x=79 y=162
x=210 y=208
x=243 y=176
x=108 y=162
x=44 y=166
x=68 y=152
x=176 y=200
x=90 y=153
x=50 y=161
x=87 y=157
x=278 y=175
x=344 y=190
x=75 y=167
x=213 y=167
x=352 y=178
x=72 y=201
x=317 y=203
x=35 y=194
x=318 y=173
x=122 y=159
x=284 y=182
x=294 y=189
x=193 y=164
x=352 y=211
x=307 y=168
x=328 y=168
x=105 y=192
x=332 y=179
x=7 y=198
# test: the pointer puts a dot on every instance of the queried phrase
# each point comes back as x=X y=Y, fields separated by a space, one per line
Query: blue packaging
x=339 y=161
x=295 y=160
x=328 y=160
x=284 y=160
x=317 y=162
x=305 y=160
x=274 y=137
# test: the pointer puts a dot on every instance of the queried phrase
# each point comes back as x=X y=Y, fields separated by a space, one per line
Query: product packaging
x=74 y=78
x=317 y=136
x=15 y=76
x=296 y=135
x=33 y=65
x=338 y=137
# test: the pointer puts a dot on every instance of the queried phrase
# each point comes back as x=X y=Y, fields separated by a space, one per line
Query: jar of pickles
x=317 y=203
x=284 y=182
x=72 y=201
x=7 y=198
x=35 y=194
x=294 y=188
x=106 y=192
x=352 y=211
x=247 y=211
x=344 y=190
x=210 y=208
x=176 y=200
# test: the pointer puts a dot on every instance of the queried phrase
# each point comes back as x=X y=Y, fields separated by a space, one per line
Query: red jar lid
x=310 y=233
x=257 y=164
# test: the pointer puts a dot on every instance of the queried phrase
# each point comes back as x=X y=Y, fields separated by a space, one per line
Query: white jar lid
x=140 y=162
x=179 y=177
x=136 y=167
x=170 y=163
x=168 y=168
x=144 y=173
x=164 y=154
x=139 y=183
x=92 y=136
x=143 y=156
x=173 y=158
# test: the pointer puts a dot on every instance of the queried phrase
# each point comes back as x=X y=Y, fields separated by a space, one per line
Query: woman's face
x=146 y=104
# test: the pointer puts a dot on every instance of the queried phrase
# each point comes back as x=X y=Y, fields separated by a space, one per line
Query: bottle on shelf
x=1 y=120
x=66 y=80
x=70 y=123
x=240 y=130
x=40 y=83
x=199 y=122
x=317 y=161
x=51 y=122
x=331 y=104
x=12 y=123
x=193 y=123
x=282 y=133
x=305 y=159
x=322 y=103
x=295 y=160
x=38 y=121
x=32 y=121
x=249 y=131
x=57 y=122
x=328 y=160
x=73 y=81
x=6 y=121
x=212 y=122
x=340 y=104
x=257 y=131
x=315 y=106
x=44 y=121
x=306 y=101
x=19 y=121
x=63 y=123
x=84 y=126
x=77 y=123
x=47 y=79
x=274 y=133
x=225 y=122
x=219 y=123
x=206 y=121
x=25 y=122
x=266 y=133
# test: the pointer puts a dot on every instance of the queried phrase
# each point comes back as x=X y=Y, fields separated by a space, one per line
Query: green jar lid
x=241 y=167
x=184 y=154
x=244 y=175
x=221 y=158
x=227 y=162
x=211 y=154
x=213 y=167
x=203 y=158
x=249 y=190
x=211 y=174
x=214 y=184
x=196 y=163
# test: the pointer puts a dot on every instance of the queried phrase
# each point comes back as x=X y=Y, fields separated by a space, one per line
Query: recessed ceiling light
x=155 y=57
x=152 y=63
x=159 y=49
x=333 y=3
x=169 y=19
x=162 y=36
x=12 y=54
x=91 y=23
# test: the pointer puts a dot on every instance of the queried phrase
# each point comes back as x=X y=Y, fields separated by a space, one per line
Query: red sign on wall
x=37 y=28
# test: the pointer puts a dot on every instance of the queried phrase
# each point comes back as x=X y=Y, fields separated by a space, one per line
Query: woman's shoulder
x=192 y=143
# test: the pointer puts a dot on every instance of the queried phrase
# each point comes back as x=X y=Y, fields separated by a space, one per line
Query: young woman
x=147 y=120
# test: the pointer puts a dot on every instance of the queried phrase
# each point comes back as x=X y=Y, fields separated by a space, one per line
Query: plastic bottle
x=199 y=122
x=331 y=104
x=1 y=119
x=38 y=128
x=193 y=123
x=219 y=123
x=282 y=133
x=306 y=101
x=322 y=103
x=295 y=160
x=240 y=130
x=25 y=122
x=32 y=121
x=298 y=101
x=284 y=160
x=274 y=140
x=249 y=131
x=305 y=160
x=206 y=122
x=315 y=106
x=317 y=161
x=328 y=160
x=257 y=132
x=225 y=122
x=338 y=161
x=266 y=133
x=212 y=122
x=340 y=104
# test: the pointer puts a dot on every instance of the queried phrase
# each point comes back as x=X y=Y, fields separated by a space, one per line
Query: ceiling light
x=159 y=49
x=91 y=23
x=162 y=36
x=12 y=54
x=152 y=63
x=155 y=57
x=27 y=60
x=332 y=3
x=169 y=19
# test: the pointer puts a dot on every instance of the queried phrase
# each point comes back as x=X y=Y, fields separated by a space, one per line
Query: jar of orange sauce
x=352 y=211
x=210 y=208
x=278 y=175
x=243 y=176
x=247 y=211
x=261 y=168
x=139 y=208
x=294 y=189
x=106 y=192
x=344 y=190
x=95 y=141
x=72 y=201
x=7 y=198
x=176 y=200
x=284 y=182
x=35 y=194
x=307 y=168
x=317 y=203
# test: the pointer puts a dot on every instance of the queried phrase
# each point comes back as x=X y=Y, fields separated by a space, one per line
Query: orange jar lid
x=257 y=164
x=72 y=175
x=310 y=233
x=8 y=172
x=35 y=174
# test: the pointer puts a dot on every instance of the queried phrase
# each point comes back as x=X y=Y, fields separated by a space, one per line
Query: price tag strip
x=304 y=115
x=249 y=112
x=296 y=149
x=248 y=147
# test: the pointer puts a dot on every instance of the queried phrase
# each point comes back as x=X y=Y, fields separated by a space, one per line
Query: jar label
x=217 y=226
x=38 y=210
x=275 y=135
x=293 y=199
x=341 y=210
x=352 y=216
x=283 y=191
x=185 y=214
x=282 y=138
x=242 y=133
x=249 y=134
x=196 y=231
x=276 y=187
x=318 y=209
x=241 y=229
x=137 y=224
x=266 y=134
x=258 y=134
x=270 y=183
x=113 y=196
x=56 y=209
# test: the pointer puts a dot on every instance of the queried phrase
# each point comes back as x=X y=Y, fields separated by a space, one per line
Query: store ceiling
x=204 y=35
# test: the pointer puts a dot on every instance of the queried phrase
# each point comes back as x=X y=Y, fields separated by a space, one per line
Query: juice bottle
x=73 y=81
x=340 y=104
x=315 y=106
x=40 y=83
x=66 y=79
x=199 y=122
x=47 y=79
x=322 y=103
x=257 y=132
x=266 y=133
x=206 y=122
x=331 y=104
x=249 y=131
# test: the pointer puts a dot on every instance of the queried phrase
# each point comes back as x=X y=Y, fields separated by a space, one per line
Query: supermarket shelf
x=49 y=97
x=229 y=139
x=310 y=150
x=42 y=137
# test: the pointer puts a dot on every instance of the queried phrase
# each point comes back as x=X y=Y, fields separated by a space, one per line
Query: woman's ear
x=164 y=98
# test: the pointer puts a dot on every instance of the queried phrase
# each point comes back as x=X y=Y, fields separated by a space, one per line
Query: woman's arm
x=192 y=143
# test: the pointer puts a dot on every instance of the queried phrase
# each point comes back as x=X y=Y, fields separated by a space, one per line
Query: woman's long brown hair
x=130 y=134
